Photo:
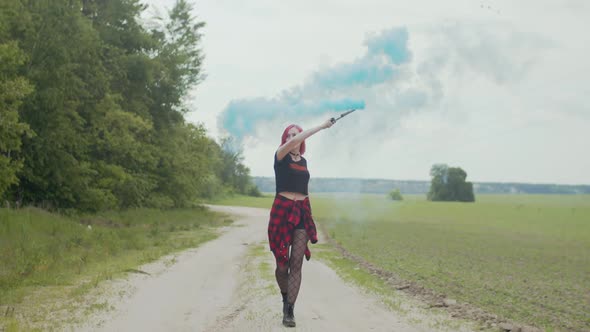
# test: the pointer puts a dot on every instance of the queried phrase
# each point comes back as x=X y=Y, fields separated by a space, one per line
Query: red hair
x=286 y=132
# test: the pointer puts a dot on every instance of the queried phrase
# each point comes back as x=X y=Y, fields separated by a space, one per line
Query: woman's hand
x=328 y=124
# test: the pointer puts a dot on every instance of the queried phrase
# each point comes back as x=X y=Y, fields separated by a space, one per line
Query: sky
x=498 y=88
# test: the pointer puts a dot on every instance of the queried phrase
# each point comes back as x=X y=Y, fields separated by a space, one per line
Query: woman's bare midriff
x=293 y=196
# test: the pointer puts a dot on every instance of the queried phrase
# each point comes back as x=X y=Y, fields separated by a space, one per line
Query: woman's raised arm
x=288 y=146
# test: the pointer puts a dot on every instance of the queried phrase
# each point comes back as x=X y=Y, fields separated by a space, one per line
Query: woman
x=291 y=224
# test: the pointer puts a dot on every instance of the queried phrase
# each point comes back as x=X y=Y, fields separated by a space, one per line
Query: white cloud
x=499 y=91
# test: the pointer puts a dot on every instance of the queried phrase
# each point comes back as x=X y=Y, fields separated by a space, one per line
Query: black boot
x=289 y=318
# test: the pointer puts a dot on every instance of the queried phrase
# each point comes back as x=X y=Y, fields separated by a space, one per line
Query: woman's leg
x=295 y=263
x=282 y=275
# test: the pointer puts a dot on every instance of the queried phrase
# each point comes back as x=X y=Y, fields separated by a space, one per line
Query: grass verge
x=265 y=201
x=50 y=262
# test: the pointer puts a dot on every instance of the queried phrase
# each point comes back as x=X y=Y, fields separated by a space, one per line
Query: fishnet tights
x=289 y=277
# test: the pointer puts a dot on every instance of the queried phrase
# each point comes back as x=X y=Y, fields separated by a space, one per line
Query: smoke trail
x=241 y=116
x=328 y=90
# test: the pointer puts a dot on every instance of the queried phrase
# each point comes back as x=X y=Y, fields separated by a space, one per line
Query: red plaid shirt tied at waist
x=285 y=215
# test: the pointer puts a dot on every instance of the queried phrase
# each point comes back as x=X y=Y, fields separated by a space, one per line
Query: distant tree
x=448 y=184
x=232 y=172
x=396 y=195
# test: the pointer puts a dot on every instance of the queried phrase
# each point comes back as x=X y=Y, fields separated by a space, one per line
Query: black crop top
x=290 y=175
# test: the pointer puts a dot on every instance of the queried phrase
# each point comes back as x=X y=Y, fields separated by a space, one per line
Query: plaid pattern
x=285 y=215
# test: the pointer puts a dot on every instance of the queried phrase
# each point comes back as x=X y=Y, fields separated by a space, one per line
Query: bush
x=396 y=195
x=159 y=201
x=254 y=191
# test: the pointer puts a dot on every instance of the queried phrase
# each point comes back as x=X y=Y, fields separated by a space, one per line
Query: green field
x=522 y=257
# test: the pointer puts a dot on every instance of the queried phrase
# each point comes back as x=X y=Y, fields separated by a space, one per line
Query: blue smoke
x=385 y=52
x=392 y=43
x=361 y=73
x=241 y=116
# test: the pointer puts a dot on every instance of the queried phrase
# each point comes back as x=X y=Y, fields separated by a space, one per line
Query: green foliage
x=13 y=89
x=396 y=195
x=104 y=126
x=448 y=184
x=181 y=53
x=232 y=171
x=254 y=191
x=47 y=249
x=187 y=159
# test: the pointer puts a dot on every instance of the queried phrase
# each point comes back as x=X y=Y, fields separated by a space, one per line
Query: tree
x=13 y=88
x=92 y=106
x=396 y=195
x=179 y=59
x=232 y=172
x=448 y=184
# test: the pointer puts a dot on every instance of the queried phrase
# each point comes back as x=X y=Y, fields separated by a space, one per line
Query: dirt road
x=228 y=285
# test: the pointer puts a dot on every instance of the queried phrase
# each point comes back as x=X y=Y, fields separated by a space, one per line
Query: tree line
x=92 y=105
x=419 y=187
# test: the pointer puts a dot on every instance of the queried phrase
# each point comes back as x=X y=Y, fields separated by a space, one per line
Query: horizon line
x=413 y=180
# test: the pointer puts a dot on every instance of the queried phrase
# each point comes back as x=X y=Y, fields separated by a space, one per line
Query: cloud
x=460 y=86
x=453 y=77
